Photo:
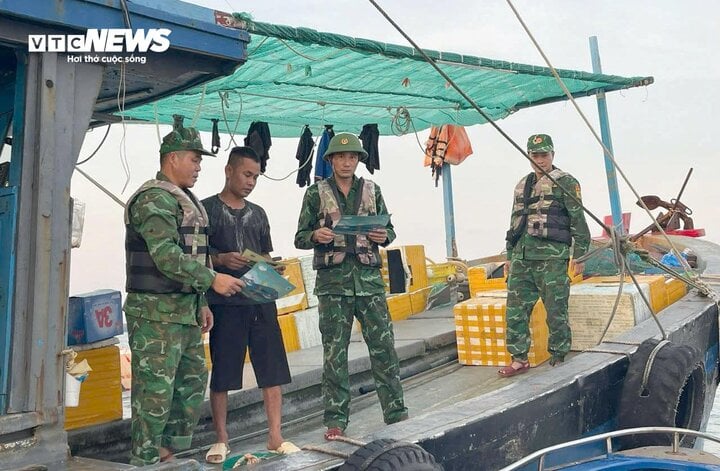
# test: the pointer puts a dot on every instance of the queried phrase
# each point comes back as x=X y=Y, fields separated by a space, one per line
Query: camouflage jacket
x=536 y=248
x=156 y=215
x=350 y=278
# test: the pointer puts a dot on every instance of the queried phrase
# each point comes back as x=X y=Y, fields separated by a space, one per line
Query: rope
x=318 y=449
x=223 y=100
x=307 y=161
x=121 y=108
x=200 y=105
x=102 y=188
x=107 y=131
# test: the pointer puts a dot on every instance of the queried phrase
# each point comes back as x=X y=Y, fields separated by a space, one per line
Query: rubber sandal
x=286 y=448
x=217 y=453
x=508 y=371
x=333 y=432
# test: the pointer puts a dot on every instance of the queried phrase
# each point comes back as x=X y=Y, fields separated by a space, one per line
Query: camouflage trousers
x=336 y=320
x=169 y=378
x=528 y=280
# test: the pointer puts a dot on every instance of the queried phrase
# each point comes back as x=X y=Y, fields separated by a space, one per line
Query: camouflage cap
x=345 y=142
x=182 y=138
x=540 y=143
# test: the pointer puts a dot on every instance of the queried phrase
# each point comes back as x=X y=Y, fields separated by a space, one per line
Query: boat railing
x=608 y=437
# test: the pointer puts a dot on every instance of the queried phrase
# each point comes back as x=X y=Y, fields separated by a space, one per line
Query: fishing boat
x=469 y=415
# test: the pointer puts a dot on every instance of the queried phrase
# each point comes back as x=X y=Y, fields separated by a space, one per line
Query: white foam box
x=308 y=328
x=590 y=307
x=308 y=275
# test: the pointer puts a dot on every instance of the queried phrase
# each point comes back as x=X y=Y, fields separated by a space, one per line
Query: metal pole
x=615 y=207
x=449 y=211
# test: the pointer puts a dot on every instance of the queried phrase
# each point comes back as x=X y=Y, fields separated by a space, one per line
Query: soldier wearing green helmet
x=168 y=272
x=547 y=227
x=349 y=284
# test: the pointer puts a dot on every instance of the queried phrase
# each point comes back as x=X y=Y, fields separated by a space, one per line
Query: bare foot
x=274 y=442
x=165 y=455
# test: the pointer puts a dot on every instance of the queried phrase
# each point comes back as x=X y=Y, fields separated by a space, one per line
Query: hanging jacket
x=447 y=144
x=323 y=169
x=304 y=157
x=258 y=137
x=369 y=137
x=333 y=254
x=143 y=276
x=544 y=216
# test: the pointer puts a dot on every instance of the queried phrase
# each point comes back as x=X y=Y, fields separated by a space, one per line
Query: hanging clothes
x=304 y=157
x=447 y=144
x=369 y=137
x=323 y=169
x=258 y=137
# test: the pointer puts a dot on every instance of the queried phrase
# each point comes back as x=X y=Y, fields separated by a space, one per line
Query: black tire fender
x=389 y=455
x=664 y=386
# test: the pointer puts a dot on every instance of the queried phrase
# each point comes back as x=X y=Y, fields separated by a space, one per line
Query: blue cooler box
x=94 y=316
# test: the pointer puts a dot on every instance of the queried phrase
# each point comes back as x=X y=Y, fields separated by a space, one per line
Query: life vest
x=333 y=254
x=546 y=217
x=142 y=275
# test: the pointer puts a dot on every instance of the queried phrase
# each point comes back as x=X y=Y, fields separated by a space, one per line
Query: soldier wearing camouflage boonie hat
x=182 y=138
x=539 y=143
x=345 y=142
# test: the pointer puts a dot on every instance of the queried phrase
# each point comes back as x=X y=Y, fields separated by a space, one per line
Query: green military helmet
x=345 y=142
x=182 y=138
x=540 y=143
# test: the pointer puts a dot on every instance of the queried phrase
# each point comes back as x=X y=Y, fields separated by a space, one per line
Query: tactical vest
x=546 y=217
x=333 y=254
x=142 y=275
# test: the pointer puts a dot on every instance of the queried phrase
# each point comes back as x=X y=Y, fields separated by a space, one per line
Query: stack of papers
x=354 y=225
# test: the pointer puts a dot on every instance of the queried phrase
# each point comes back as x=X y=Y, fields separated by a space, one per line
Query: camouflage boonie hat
x=182 y=138
x=345 y=142
x=540 y=143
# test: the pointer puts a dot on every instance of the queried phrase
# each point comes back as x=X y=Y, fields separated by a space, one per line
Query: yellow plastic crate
x=295 y=300
x=439 y=272
x=289 y=332
x=101 y=392
x=399 y=306
x=481 y=331
x=418 y=300
x=675 y=289
x=478 y=281
x=414 y=257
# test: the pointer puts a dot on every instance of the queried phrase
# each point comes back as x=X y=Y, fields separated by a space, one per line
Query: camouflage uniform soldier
x=349 y=283
x=168 y=272
x=545 y=223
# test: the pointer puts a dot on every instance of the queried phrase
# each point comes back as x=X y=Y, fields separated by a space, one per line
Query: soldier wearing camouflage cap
x=545 y=225
x=349 y=284
x=168 y=272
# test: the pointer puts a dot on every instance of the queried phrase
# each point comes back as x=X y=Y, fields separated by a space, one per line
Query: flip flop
x=217 y=453
x=333 y=432
x=286 y=448
x=508 y=371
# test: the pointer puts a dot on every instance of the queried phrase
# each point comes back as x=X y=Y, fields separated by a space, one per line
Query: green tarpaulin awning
x=298 y=76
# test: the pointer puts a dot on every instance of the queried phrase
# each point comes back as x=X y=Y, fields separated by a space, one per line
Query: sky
x=659 y=132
